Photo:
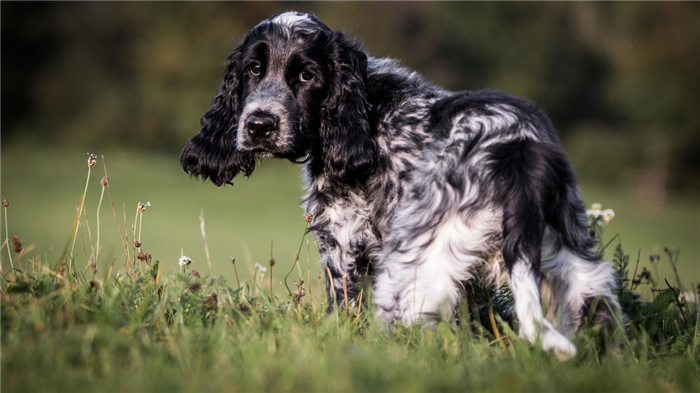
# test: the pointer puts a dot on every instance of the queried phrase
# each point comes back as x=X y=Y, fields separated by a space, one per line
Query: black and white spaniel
x=419 y=188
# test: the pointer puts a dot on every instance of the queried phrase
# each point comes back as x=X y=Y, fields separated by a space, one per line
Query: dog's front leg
x=347 y=243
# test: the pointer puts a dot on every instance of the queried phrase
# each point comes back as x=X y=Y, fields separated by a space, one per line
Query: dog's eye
x=305 y=76
x=255 y=68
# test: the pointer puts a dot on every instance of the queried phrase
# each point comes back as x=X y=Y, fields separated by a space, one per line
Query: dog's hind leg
x=581 y=283
x=580 y=278
x=523 y=283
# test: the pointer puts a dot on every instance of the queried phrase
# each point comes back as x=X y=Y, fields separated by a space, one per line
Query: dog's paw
x=556 y=342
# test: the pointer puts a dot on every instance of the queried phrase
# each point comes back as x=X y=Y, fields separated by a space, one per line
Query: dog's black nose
x=260 y=126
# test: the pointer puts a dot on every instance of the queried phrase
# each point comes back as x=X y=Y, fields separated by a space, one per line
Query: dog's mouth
x=272 y=144
x=258 y=148
x=272 y=150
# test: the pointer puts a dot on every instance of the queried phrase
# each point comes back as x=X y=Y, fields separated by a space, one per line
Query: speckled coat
x=418 y=188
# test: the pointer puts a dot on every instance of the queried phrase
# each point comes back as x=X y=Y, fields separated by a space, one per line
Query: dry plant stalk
x=206 y=249
x=5 y=204
x=359 y=303
x=111 y=201
x=495 y=330
x=272 y=263
x=126 y=235
x=233 y=262
x=87 y=225
x=330 y=278
x=345 y=291
x=359 y=306
x=204 y=237
x=82 y=241
x=91 y=163
x=103 y=183
x=133 y=235
x=308 y=278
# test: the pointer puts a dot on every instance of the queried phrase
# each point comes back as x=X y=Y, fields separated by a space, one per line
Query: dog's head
x=292 y=88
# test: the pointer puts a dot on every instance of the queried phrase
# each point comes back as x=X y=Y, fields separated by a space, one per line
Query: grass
x=64 y=331
x=163 y=328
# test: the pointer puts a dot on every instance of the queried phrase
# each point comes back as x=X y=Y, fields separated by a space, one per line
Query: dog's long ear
x=348 y=148
x=212 y=154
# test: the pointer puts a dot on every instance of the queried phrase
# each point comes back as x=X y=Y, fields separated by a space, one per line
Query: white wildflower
x=593 y=213
x=184 y=261
x=598 y=217
x=260 y=267
x=608 y=215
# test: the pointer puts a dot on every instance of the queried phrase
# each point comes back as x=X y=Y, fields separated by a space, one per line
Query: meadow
x=70 y=324
x=44 y=186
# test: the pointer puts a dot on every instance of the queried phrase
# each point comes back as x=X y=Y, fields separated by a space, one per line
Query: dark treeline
x=620 y=80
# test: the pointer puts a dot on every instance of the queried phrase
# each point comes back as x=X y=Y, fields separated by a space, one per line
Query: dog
x=418 y=188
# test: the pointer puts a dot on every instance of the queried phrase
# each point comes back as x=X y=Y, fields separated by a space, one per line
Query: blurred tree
x=654 y=85
x=24 y=51
x=620 y=80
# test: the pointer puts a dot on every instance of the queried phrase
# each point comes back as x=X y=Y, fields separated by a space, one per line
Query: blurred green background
x=130 y=80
